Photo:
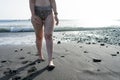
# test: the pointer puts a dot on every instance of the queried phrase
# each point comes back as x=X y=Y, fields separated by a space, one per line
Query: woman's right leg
x=39 y=37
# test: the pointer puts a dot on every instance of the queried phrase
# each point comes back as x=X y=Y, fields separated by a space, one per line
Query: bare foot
x=51 y=63
x=50 y=66
x=41 y=57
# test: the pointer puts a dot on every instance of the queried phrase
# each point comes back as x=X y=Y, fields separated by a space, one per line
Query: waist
x=43 y=7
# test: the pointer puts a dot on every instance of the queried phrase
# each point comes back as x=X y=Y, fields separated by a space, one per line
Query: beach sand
x=73 y=61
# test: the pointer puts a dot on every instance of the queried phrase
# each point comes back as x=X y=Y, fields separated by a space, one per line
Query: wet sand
x=74 y=61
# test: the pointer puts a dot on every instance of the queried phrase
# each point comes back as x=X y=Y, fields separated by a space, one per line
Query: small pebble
x=102 y=44
x=21 y=49
x=85 y=52
x=117 y=52
x=93 y=43
x=88 y=43
x=98 y=69
x=62 y=56
x=59 y=42
x=16 y=50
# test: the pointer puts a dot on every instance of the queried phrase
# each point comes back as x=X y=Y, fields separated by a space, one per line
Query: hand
x=57 y=20
x=35 y=19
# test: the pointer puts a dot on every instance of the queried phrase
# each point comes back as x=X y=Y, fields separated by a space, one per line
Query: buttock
x=43 y=12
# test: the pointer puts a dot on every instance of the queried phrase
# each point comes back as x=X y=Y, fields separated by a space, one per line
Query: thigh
x=49 y=24
x=38 y=28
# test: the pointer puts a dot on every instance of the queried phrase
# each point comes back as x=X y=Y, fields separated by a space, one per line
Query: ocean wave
x=16 y=29
x=56 y=29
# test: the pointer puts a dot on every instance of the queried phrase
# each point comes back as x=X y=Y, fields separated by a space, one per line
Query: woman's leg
x=48 y=32
x=39 y=37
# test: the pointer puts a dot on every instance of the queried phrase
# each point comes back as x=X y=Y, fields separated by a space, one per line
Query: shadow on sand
x=29 y=77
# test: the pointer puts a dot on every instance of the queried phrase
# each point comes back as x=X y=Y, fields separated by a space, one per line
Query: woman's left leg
x=48 y=32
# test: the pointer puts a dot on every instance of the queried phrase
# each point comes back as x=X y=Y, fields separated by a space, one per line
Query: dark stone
x=102 y=44
x=88 y=43
x=93 y=43
x=99 y=41
x=119 y=44
x=98 y=69
x=97 y=60
x=16 y=50
x=117 y=52
x=59 y=42
x=3 y=61
x=85 y=52
x=113 y=54
x=21 y=49
x=62 y=56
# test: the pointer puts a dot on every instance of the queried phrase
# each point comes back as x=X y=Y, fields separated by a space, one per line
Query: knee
x=48 y=36
x=39 y=39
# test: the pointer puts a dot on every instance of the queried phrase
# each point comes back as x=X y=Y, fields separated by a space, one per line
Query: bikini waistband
x=43 y=7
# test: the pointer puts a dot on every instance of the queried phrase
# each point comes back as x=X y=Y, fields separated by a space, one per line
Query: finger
x=57 y=22
x=36 y=21
x=37 y=18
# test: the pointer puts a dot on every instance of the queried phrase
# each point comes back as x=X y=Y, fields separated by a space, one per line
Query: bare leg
x=39 y=37
x=48 y=32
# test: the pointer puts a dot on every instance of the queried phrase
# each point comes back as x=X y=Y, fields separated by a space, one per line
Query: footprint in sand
x=10 y=71
x=32 y=63
x=25 y=62
x=28 y=52
x=16 y=78
x=32 y=69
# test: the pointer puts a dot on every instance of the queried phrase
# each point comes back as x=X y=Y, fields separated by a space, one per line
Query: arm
x=53 y=4
x=32 y=4
x=34 y=18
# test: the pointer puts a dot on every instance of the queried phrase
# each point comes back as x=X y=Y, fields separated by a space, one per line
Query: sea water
x=22 y=32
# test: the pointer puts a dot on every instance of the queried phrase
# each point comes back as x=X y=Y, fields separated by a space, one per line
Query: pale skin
x=47 y=24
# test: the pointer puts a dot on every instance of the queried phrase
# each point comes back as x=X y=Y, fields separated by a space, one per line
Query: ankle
x=51 y=62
